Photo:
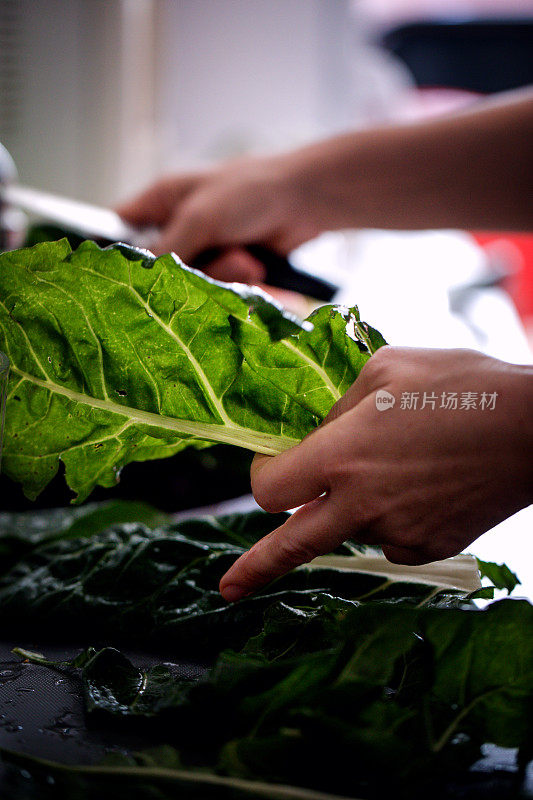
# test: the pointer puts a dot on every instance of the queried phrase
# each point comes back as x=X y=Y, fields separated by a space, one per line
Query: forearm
x=472 y=170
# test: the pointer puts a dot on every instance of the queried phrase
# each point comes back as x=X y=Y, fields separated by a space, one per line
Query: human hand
x=422 y=483
x=371 y=178
x=250 y=200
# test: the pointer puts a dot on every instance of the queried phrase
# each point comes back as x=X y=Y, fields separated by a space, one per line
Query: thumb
x=371 y=377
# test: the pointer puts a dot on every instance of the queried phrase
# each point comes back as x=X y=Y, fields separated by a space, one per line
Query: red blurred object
x=517 y=250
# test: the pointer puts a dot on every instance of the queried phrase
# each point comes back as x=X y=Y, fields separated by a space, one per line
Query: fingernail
x=232 y=593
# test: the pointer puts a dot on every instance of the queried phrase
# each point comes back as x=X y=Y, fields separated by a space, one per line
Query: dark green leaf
x=499 y=575
x=419 y=690
x=131 y=580
x=333 y=672
x=21 y=532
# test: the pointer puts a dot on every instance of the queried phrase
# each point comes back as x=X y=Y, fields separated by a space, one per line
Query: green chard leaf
x=22 y=532
x=44 y=525
x=333 y=672
x=417 y=689
x=160 y=581
x=111 y=683
x=117 y=356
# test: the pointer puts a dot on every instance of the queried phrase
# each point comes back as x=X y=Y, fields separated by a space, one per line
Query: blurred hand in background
x=469 y=170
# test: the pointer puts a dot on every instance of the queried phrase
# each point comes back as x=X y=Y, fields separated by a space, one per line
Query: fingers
x=186 y=228
x=220 y=208
x=190 y=230
x=292 y=478
x=238 y=265
x=181 y=209
x=309 y=532
x=155 y=205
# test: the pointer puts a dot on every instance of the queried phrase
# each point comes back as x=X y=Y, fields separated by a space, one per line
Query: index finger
x=311 y=531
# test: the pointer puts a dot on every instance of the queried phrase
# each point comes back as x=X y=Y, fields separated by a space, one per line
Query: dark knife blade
x=279 y=272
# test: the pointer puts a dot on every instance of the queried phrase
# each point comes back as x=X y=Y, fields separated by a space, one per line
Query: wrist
x=302 y=184
x=341 y=182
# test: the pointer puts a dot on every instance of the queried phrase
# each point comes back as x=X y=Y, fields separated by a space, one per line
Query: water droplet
x=9 y=725
x=11 y=673
x=460 y=738
x=62 y=726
